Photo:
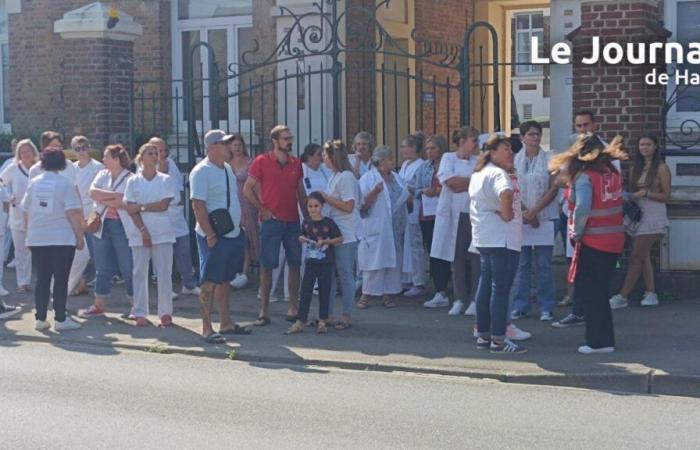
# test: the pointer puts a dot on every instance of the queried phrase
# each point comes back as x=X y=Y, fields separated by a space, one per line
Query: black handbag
x=220 y=218
x=632 y=215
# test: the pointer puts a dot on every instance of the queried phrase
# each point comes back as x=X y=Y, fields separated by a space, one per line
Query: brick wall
x=41 y=64
x=618 y=95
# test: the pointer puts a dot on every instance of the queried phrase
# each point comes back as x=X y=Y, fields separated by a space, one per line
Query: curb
x=648 y=382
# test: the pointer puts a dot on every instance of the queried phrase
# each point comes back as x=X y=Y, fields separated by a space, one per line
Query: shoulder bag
x=220 y=218
x=93 y=223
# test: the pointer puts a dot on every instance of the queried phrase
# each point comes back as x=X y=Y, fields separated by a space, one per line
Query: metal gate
x=334 y=72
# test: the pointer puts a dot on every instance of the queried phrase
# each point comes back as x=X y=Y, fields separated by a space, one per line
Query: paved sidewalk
x=658 y=348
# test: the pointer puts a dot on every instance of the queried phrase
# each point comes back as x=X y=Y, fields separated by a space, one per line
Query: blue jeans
x=183 y=261
x=545 y=279
x=89 y=272
x=345 y=256
x=112 y=255
x=498 y=268
x=273 y=234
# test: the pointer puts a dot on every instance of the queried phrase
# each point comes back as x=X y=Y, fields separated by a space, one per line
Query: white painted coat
x=412 y=244
x=376 y=250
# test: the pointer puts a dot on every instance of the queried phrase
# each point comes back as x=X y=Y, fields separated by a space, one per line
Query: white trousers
x=23 y=258
x=80 y=262
x=162 y=257
x=381 y=282
x=414 y=268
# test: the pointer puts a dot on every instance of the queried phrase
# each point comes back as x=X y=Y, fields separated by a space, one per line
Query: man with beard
x=274 y=188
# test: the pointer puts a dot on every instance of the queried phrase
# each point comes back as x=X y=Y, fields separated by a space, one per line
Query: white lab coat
x=450 y=205
x=377 y=250
x=414 y=253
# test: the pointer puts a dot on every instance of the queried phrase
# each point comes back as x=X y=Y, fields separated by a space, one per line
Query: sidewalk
x=657 y=348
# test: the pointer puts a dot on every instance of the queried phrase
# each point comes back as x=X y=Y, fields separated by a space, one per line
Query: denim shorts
x=221 y=263
x=274 y=233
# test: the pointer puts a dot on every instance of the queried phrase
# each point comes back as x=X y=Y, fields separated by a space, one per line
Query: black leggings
x=312 y=272
x=53 y=261
x=440 y=270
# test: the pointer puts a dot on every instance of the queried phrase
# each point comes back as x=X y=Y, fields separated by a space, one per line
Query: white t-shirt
x=488 y=229
x=69 y=172
x=344 y=186
x=48 y=197
x=142 y=191
x=316 y=180
x=364 y=166
x=176 y=211
x=16 y=178
x=208 y=184
x=85 y=176
x=451 y=166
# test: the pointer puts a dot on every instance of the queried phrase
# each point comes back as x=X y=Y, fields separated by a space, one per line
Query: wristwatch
x=143 y=208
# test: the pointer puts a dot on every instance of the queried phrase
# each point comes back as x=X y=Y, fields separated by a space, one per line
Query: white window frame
x=5 y=126
x=522 y=70
x=231 y=24
x=674 y=118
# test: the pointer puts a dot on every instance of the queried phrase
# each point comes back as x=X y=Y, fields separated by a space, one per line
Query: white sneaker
x=174 y=295
x=471 y=309
x=239 y=281
x=516 y=334
x=273 y=299
x=42 y=325
x=3 y=291
x=617 y=301
x=12 y=264
x=586 y=350
x=66 y=325
x=194 y=291
x=438 y=301
x=650 y=299
x=456 y=308
x=546 y=317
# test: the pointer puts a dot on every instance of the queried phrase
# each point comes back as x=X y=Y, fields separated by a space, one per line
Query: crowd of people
x=339 y=220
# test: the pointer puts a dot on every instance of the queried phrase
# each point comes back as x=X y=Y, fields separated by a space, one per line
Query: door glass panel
x=205 y=9
x=689 y=31
x=396 y=96
x=5 y=83
x=218 y=41
x=245 y=43
x=192 y=72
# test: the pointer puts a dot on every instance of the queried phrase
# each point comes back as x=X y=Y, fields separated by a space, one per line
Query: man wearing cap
x=213 y=192
x=274 y=188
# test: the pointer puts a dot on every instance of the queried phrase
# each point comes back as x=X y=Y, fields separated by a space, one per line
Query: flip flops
x=262 y=321
x=214 y=338
x=237 y=329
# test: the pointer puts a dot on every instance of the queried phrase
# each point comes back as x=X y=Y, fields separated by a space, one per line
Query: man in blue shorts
x=214 y=193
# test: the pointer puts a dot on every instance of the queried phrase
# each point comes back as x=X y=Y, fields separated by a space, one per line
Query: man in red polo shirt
x=274 y=187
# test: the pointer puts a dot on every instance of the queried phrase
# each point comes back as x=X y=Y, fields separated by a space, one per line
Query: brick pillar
x=99 y=64
x=617 y=94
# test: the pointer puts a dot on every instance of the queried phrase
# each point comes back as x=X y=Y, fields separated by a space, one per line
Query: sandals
x=343 y=325
x=214 y=338
x=237 y=329
x=322 y=328
x=298 y=327
x=388 y=302
x=363 y=303
x=24 y=289
x=262 y=321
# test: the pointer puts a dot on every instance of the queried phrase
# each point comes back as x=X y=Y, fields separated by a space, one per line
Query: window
x=687 y=30
x=527 y=26
x=206 y=9
x=4 y=69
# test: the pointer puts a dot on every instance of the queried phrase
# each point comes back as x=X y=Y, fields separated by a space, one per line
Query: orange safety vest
x=604 y=229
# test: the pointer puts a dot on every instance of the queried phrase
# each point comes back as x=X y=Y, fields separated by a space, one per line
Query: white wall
x=565 y=17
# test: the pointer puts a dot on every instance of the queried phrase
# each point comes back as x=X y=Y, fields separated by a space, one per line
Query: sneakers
x=12 y=264
x=516 y=334
x=91 y=283
x=42 y=325
x=570 y=321
x=438 y=301
x=174 y=295
x=141 y=322
x=414 y=291
x=471 y=309
x=650 y=299
x=66 y=325
x=617 y=301
x=187 y=291
x=116 y=279
x=515 y=315
x=166 y=320
x=507 y=347
x=546 y=317
x=7 y=312
x=483 y=344
x=273 y=299
x=456 y=308
x=92 y=311
x=3 y=291
x=566 y=301
x=240 y=281
x=586 y=350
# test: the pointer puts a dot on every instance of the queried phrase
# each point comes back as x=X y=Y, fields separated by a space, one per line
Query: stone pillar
x=98 y=71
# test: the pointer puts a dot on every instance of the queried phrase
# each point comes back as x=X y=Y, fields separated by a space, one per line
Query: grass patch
x=158 y=348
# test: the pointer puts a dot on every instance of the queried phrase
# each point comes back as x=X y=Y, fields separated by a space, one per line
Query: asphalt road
x=80 y=397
